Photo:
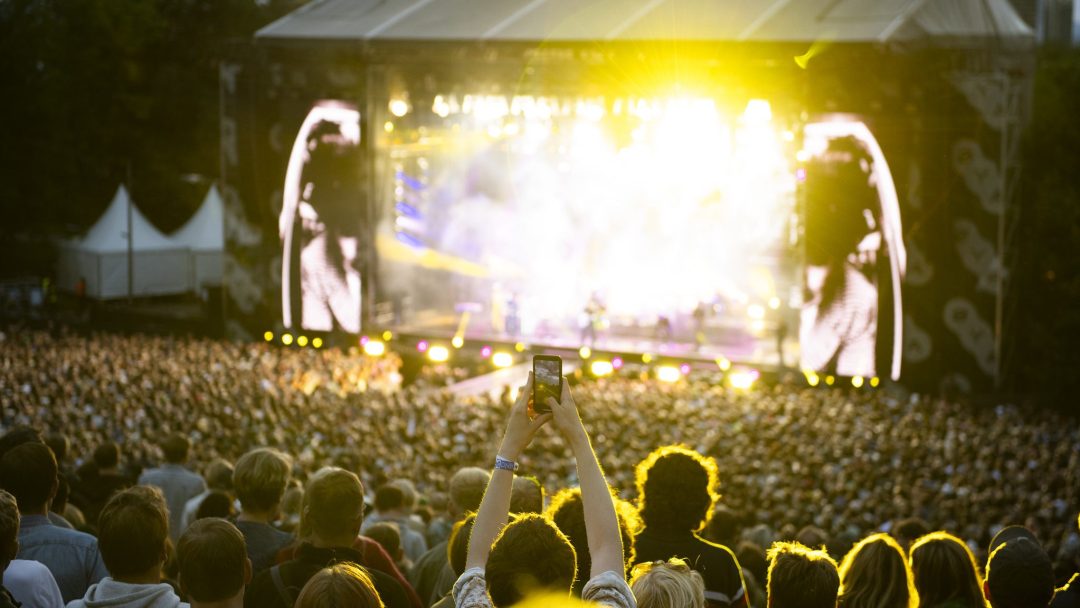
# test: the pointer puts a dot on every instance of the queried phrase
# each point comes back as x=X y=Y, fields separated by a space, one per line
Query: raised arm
x=601 y=524
x=495 y=507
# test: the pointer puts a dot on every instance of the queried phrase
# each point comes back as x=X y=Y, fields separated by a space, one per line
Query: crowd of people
x=321 y=459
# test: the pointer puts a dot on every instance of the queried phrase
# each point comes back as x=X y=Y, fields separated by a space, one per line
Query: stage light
x=519 y=347
x=743 y=379
x=755 y=311
x=875 y=381
x=685 y=369
x=301 y=341
x=375 y=348
x=399 y=107
x=774 y=303
x=388 y=127
x=811 y=377
x=422 y=346
x=485 y=352
x=723 y=363
x=387 y=335
x=758 y=112
x=601 y=368
x=668 y=373
x=857 y=381
x=830 y=380
x=438 y=353
x=646 y=358
x=617 y=363
x=286 y=339
x=364 y=340
x=458 y=341
x=802 y=156
x=585 y=352
x=440 y=107
x=268 y=336
x=316 y=342
x=502 y=359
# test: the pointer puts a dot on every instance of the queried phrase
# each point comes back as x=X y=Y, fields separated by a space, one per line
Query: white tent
x=101 y=256
x=204 y=236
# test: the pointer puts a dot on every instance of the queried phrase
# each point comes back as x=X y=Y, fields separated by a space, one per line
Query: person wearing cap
x=1019 y=573
x=1069 y=595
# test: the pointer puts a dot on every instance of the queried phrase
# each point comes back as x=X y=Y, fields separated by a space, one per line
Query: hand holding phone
x=547 y=382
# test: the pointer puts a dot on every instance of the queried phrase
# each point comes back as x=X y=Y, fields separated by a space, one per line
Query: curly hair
x=670 y=584
x=530 y=554
x=568 y=513
x=677 y=488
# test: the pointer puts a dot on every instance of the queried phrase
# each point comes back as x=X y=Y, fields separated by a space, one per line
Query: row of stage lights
x=300 y=340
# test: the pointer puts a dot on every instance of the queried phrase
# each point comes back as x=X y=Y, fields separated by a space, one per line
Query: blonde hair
x=343 y=584
x=670 y=584
x=260 y=478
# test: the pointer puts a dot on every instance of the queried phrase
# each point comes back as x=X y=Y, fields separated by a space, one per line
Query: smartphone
x=547 y=381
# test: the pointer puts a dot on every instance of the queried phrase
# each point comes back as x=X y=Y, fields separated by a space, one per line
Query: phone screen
x=547 y=381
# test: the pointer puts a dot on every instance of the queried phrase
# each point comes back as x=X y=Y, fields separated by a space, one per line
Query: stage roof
x=852 y=21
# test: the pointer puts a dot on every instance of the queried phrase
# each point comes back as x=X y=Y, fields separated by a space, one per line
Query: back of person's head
x=568 y=513
x=219 y=475
x=529 y=555
x=670 y=584
x=216 y=504
x=723 y=527
x=107 y=455
x=467 y=489
x=801 y=577
x=213 y=561
x=333 y=505
x=875 y=574
x=260 y=478
x=945 y=572
x=1019 y=574
x=59 y=444
x=812 y=536
x=30 y=473
x=677 y=488
x=387 y=534
x=133 y=530
x=753 y=559
x=526 y=495
x=343 y=584
x=409 y=495
x=457 y=549
x=175 y=448
x=17 y=436
x=9 y=529
x=907 y=531
x=389 y=498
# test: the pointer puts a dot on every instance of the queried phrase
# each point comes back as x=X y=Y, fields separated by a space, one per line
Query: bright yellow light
x=811 y=377
x=387 y=335
x=758 y=112
x=388 y=127
x=668 y=373
x=755 y=311
x=774 y=302
x=802 y=156
x=268 y=336
x=646 y=358
x=742 y=379
x=857 y=381
x=519 y=347
x=502 y=359
x=723 y=363
x=375 y=348
x=585 y=352
x=301 y=341
x=458 y=341
x=399 y=107
x=438 y=353
x=286 y=339
x=875 y=381
x=830 y=380
x=602 y=368
x=316 y=342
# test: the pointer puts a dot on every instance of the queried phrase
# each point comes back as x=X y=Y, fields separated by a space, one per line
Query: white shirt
x=32 y=585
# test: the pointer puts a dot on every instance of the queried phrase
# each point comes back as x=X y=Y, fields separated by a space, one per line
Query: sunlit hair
x=333 y=503
x=530 y=555
x=875 y=574
x=677 y=488
x=670 y=584
x=568 y=513
x=801 y=577
x=945 y=572
x=260 y=477
x=343 y=584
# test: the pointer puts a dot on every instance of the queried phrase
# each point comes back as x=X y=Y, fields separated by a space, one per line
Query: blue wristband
x=505 y=464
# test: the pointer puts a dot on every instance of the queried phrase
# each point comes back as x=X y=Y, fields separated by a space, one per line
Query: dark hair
x=812 y=536
x=59 y=444
x=213 y=557
x=216 y=504
x=176 y=448
x=945 y=572
x=723 y=527
x=388 y=498
x=17 y=436
x=801 y=577
x=133 y=529
x=526 y=495
x=457 y=549
x=906 y=531
x=219 y=475
x=676 y=488
x=388 y=535
x=875 y=574
x=107 y=455
x=29 y=472
x=1019 y=574
x=530 y=554
x=333 y=503
x=753 y=559
x=568 y=514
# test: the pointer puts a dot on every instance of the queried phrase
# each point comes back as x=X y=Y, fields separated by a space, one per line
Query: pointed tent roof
x=205 y=231
x=109 y=233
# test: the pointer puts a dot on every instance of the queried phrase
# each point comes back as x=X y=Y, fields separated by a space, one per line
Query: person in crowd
x=670 y=584
x=390 y=506
x=907 y=531
x=875 y=574
x=26 y=434
x=260 y=478
x=177 y=483
x=812 y=536
x=387 y=534
x=506 y=561
x=723 y=529
x=134 y=536
x=1019 y=573
x=801 y=577
x=432 y=576
x=1068 y=596
x=945 y=572
x=214 y=566
x=219 y=475
x=568 y=513
x=99 y=480
x=29 y=473
x=677 y=490
x=344 y=584
x=333 y=514
x=216 y=504
x=755 y=568
x=457 y=551
x=26 y=583
x=527 y=495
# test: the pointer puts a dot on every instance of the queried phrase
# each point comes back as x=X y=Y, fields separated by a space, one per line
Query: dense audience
x=116 y=449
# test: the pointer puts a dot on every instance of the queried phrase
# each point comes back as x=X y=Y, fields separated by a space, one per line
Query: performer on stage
x=592 y=320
